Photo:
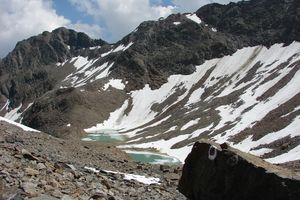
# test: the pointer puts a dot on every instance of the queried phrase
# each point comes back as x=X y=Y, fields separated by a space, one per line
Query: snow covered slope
x=234 y=99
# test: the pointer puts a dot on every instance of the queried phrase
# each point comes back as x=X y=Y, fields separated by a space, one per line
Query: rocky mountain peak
x=48 y=48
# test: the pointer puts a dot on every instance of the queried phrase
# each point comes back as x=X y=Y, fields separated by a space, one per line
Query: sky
x=106 y=19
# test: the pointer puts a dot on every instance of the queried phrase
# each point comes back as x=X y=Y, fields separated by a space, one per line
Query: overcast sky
x=106 y=19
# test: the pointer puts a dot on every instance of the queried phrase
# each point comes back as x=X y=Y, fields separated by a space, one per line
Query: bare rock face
x=212 y=172
x=256 y=21
x=29 y=70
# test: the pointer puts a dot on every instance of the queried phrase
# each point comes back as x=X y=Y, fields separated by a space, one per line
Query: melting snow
x=189 y=124
x=194 y=18
x=164 y=146
x=122 y=47
x=25 y=128
x=14 y=114
x=5 y=105
x=176 y=23
x=142 y=179
x=86 y=71
x=115 y=83
x=234 y=67
x=105 y=54
x=96 y=47
x=292 y=155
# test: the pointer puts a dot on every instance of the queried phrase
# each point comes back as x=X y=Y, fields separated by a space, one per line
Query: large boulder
x=219 y=172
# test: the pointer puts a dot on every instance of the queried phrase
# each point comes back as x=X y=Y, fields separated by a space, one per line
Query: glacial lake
x=112 y=136
x=152 y=158
x=105 y=135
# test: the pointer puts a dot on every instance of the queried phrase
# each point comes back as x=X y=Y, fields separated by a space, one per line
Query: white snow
x=214 y=29
x=25 y=128
x=68 y=125
x=115 y=83
x=96 y=47
x=86 y=71
x=87 y=139
x=164 y=146
x=190 y=123
x=122 y=47
x=104 y=71
x=176 y=23
x=292 y=155
x=107 y=53
x=173 y=128
x=198 y=132
x=195 y=96
x=142 y=179
x=5 y=105
x=14 y=114
x=194 y=18
x=80 y=62
x=235 y=67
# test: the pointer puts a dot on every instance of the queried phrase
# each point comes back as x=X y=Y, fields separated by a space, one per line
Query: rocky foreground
x=38 y=166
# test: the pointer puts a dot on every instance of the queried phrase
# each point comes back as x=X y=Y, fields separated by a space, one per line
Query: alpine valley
x=226 y=73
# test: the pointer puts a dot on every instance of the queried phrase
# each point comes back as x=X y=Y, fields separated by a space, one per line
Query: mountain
x=226 y=72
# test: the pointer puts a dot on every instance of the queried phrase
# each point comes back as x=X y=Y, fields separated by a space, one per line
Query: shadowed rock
x=211 y=172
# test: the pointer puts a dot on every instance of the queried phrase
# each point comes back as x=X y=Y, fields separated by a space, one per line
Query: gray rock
x=57 y=193
x=29 y=188
x=67 y=197
x=44 y=197
x=40 y=166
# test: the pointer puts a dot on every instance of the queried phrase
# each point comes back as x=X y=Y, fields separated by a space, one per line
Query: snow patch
x=14 y=114
x=115 y=83
x=96 y=47
x=194 y=18
x=25 y=128
x=122 y=47
x=214 y=29
x=189 y=124
x=5 y=105
x=142 y=179
x=164 y=146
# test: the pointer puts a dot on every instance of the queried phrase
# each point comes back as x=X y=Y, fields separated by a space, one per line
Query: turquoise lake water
x=152 y=158
x=112 y=136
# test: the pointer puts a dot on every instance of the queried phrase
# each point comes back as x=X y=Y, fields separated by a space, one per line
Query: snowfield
x=259 y=63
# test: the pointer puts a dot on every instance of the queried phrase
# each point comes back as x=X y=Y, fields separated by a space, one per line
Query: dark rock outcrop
x=29 y=70
x=54 y=110
x=214 y=172
x=256 y=22
x=161 y=49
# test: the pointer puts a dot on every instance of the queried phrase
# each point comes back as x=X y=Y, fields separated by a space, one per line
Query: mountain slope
x=35 y=165
x=219 y=73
